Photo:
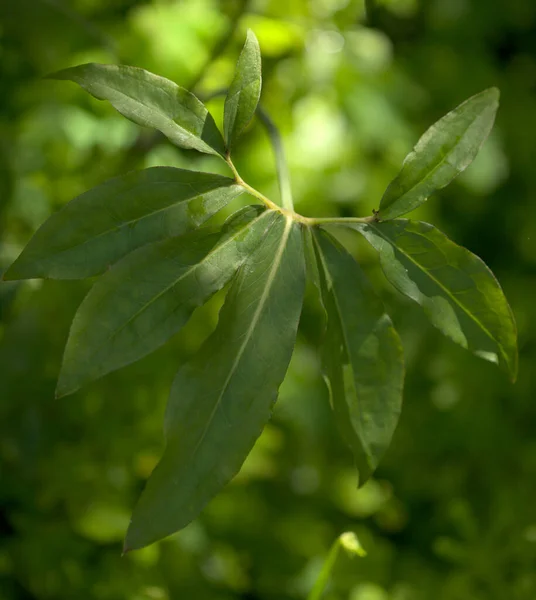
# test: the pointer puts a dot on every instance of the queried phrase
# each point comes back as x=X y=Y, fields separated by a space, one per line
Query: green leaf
x=442 y=153
x=362 y=357
x=151 y=101
x=311 y=263
x=456 y=289
x=222 y=398
x=150 y=294
x=313 y=288
x=104 y=224
x=244 y=92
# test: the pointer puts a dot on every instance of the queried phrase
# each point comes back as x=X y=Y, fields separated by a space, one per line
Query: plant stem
x=281 y=167
x=340 y=220
x=283 y=174
x=351 y=544
x=251 y=190
x=310 y=221
x=325 y=573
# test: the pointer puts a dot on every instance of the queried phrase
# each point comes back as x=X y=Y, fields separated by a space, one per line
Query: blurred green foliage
x=451 y=512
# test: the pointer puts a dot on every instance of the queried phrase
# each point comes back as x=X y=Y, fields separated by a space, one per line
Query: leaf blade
x=107 y=222
x=362 y=358
x=151 y=101
x=149 y=295
x=244 y=92
x=212 y=423
x=442 y=153
x=456 y=289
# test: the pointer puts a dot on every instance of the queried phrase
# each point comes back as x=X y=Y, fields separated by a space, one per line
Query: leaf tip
x=133 y=539
x=57 y=75
x=10 y=274
x=350 y=542
x=492 y=96
x=126 y=548
x=63 y=389
x=251 y=37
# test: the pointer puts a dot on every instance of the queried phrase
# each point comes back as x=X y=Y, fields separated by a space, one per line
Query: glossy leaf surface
x=151 y=101
x=362 y=357
x=456 y=289
x=222 y=398
x=149 y=295
x=244 y=92
x=442 y=153
x=102 y=225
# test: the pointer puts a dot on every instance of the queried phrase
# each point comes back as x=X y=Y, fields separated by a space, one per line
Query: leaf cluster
x=144 y=234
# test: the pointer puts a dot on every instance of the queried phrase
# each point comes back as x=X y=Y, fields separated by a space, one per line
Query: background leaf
x=222 y=398
x=151 y=101
x=362 y=357
x=149 y=295
x=244 y=91
x=102 y=225
x=442 y=153
x=458 y=292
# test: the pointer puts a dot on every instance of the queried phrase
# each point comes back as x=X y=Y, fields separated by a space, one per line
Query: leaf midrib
x=441 y=286
x=191 y=269
x=187 y=132
x=269 y=282
x=145 y=216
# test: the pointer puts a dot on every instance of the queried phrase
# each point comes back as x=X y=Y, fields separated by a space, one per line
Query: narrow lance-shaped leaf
x=442 y=153
x=313 y=288
x=362 y=357
x=104 y=224
x=150 y=294
x=151 y=101
x=222 y=398
x=244 y=92
x=456 y=289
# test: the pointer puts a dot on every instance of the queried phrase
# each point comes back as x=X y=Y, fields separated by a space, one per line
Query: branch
x=283 y=175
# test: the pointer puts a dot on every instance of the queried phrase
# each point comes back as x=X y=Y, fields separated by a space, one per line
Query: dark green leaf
x=222 y=398
x=442 y=153
x=244 y=92
x=104 y=224
x=362 y=357
x=313 y=270
x=149 y=295
x=458 y=292
x=313 y=288
x=151 y=101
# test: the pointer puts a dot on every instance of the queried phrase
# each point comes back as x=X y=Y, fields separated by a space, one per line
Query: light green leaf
x=456 y=289
x=442 y=153
x=362 y=357
x=150 y=294
x=244 y=92
x=151 y=101
x=222 y=398
x=104 y=224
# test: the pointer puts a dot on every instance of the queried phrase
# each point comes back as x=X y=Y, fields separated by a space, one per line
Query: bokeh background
x=451 y=512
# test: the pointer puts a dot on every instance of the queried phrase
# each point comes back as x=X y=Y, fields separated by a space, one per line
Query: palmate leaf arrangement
x=143 y=234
